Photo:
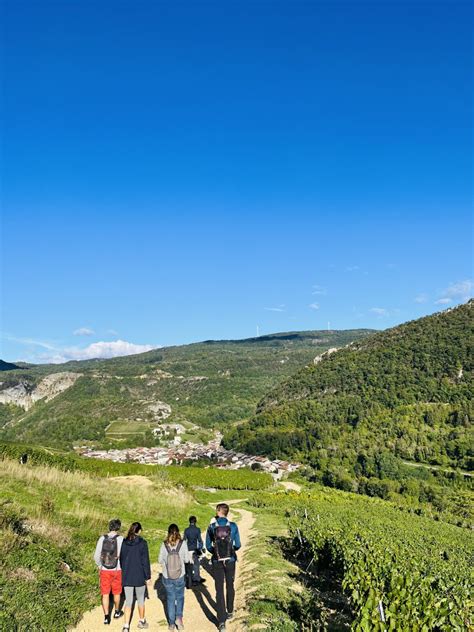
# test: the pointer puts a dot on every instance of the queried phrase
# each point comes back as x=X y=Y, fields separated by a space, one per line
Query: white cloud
x=352 y=268
x=112 y=332
x=421 y=298
x=280 y=308
x=314 y=306
x=319 y=290
x=379 y=311
x=444 y=301
x=102 y=350
x=83 y=331
x=462 y=290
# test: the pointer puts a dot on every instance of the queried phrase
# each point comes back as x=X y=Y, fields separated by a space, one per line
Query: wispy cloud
x=379 y=311
x=280 y=308
x=421 y=298
x=352 y=268
x=30 y=341
x=83 y=331
x=314 y=306
x=319 y=290
x=444 y=301
x=112 y=332
x=460 y=291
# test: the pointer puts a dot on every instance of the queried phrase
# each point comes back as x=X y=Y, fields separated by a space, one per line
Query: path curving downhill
x=199 y=602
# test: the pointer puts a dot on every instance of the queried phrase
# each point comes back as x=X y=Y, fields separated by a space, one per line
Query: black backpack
x=223 y=547
x=109 y=552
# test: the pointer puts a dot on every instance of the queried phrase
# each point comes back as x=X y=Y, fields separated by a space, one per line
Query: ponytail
x=134 y=530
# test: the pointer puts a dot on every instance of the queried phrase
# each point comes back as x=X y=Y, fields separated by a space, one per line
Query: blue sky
x=178 y=171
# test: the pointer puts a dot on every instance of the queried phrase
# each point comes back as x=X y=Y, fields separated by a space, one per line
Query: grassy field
x=55 y=507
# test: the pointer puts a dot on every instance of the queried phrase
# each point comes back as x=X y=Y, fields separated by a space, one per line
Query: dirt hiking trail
x=199 y=602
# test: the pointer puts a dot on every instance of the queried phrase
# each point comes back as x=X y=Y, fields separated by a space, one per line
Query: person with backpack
x=222 y=542
x=136 y=574
x=107 y=559
x=192 y=536
x=174 y=555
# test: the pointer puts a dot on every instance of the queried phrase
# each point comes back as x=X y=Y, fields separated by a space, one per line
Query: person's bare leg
x=128 y=614
x=141 y=612
x=117 y=602
x=105 y=603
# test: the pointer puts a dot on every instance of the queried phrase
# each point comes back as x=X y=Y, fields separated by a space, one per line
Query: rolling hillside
x=373 y=409
x=119 y=401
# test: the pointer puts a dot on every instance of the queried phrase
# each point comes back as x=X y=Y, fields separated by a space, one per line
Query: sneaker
x=143 y=625
x=126 y=628
x=179 y=623
x=106 y=619
x=171 y=628
x=222 y=627
x=118 y=614
x=230 y=615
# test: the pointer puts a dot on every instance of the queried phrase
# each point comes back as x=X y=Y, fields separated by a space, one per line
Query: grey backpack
x=173 y=563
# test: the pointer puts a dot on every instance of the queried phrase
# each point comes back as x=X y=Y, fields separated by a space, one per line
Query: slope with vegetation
x=209 y=384
x=365 y=564
x=52 y=508
x=361 y=417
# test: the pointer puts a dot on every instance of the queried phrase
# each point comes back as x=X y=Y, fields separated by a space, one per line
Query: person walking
x=173 y=557
x=136 y=574
x=222 y=542
x=193 y=538
x=107 y=559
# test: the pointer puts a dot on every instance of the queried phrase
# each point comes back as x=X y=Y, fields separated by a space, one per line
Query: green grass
x=50 y=517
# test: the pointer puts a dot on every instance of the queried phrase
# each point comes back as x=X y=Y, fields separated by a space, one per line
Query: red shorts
x=110 y=581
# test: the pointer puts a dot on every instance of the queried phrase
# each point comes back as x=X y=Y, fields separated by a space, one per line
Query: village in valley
x=177 y=453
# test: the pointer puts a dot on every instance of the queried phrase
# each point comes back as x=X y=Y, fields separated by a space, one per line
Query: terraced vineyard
x=399 y=571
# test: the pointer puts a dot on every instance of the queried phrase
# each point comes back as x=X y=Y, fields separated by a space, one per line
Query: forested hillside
x=373 y=410
x=118 y=402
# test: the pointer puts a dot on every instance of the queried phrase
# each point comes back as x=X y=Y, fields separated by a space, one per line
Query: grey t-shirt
x=98 y=550
x=183 y=554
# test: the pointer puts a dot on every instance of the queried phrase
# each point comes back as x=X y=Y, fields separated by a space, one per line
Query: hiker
x=107 y=558
x=136 y=574
x=173 y=556
x=192 y=536
x=222 y=541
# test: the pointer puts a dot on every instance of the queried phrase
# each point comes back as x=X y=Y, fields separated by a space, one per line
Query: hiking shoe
x=179 y=623
x=106 y=619
x=143 y=625
x=118 y=614
x=230 y=615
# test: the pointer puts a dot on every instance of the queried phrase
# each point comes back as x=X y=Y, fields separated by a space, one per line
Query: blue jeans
x=174 y=598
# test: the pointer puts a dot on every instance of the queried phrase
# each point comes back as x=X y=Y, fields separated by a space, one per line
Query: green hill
x=117 y=402
x=8 y=366
x=377 y=407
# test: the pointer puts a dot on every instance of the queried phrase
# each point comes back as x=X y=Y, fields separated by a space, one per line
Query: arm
x=199 y=542
x=237 y=543
x=123 y=556
x=97 y=551
x=162 y=557
x=184 y=552
x=209 y=540
x=146 y=561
